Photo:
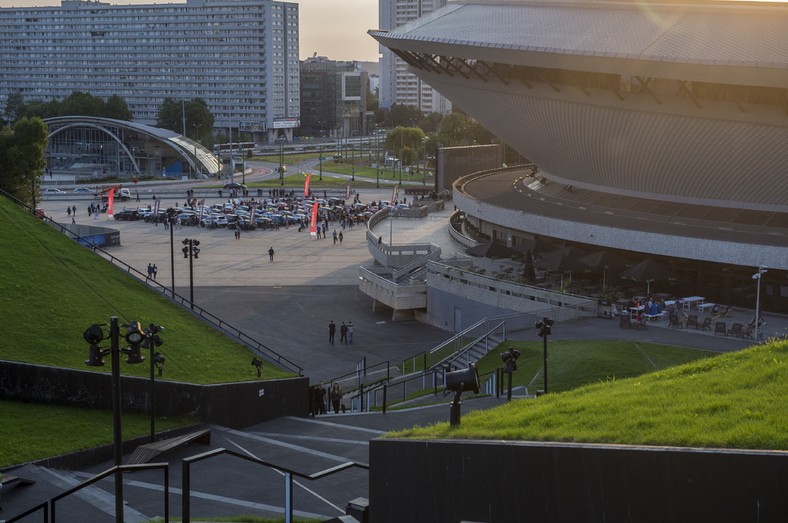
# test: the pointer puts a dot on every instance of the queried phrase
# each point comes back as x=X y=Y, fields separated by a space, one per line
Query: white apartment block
x=397 y=85
x=240 y=56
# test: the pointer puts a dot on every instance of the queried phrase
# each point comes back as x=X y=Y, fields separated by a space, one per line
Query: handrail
x=49 y=505
x=288 y=474
x=217 y=322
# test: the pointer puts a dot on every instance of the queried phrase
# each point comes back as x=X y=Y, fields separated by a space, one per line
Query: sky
x=333 y=28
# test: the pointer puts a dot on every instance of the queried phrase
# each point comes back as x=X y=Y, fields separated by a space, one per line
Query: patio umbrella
x=558 y=262
x=536 y=246
x=491 y=249
x=648 y=270
x=604 y=260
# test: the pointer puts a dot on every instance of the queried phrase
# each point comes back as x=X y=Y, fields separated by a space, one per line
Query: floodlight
x=135 y=336
x=463 y=380
x=93 y=334
x=158 y=361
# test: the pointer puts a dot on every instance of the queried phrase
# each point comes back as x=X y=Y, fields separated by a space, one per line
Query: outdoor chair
x=674 y=322
x=706 y=326
x=720 y=328
x=692 y=321
x=736 y=330
x=625 y=321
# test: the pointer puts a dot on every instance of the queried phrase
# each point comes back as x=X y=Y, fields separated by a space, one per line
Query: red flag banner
x=200 y=207
x=347 y=192
x=111 y=203
x=306 y=185
x=394 y=194
x=313 y=221
x=156 y=207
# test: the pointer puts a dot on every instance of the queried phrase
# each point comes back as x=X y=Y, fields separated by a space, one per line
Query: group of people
x=320 y=399
x=345 y=332
x=152 y=271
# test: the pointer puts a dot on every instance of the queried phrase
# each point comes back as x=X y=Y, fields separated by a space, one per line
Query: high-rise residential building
x=333 y=98
x=397 y=84
x=240 y=56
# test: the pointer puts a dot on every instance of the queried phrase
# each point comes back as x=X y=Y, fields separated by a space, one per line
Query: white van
x=124 y=194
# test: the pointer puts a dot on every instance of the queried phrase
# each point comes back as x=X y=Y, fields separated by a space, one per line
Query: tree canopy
x=199 y=120
x=77 y=103
x=22 y=157
x=406 y=142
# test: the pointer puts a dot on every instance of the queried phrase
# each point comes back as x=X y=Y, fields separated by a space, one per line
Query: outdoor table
x=669 y=302
x=703 y=306
x=689 y=300
x=633 y=311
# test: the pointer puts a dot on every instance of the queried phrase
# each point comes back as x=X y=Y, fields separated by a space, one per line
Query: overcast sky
x=333 y=28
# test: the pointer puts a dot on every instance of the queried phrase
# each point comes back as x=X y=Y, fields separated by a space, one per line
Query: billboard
x=286 y=123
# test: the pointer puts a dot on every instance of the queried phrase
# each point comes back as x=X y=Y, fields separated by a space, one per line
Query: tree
x=170 y=115
x=199 y=120
x=408 y=142
x=81 y=104
x=117 y=108
x=14 y=107
x=22 y=156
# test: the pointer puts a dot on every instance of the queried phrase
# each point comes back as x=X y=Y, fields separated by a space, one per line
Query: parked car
x=127 y=215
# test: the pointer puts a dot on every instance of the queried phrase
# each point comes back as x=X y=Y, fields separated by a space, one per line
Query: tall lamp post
x=281 y=164
x=320 y=148
x=196 y=140
x=191 y=251
x=545 y=329
x=377 y=157
x=94 y=335
x=757 y=276
x=171 y=221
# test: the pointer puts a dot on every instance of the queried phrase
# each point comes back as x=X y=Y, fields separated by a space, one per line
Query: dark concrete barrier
x=484 y=481
x=230 y=404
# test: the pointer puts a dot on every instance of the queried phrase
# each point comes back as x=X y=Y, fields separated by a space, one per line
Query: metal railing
x=287 y=473
x=261 y=349
x=49 y=506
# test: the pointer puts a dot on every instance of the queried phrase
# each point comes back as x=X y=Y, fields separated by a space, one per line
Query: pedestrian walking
x=336 y=397
x=343 y=333
x=321 y=398
x=150 y=270
x=349 y=332
x=335 y=237
x=154 y=271
x=332 y=329
x=341 y=236
x=271 y=254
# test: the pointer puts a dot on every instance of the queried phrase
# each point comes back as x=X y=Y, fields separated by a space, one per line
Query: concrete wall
x=485 y=481
x=229 y=404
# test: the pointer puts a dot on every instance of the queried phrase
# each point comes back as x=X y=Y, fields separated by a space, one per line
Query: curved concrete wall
x=636 y=147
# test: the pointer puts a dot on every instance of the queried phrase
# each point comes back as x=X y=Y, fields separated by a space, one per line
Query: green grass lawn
x=572 y=364
x=736 y=400
x=42 y=431
x=56 y=289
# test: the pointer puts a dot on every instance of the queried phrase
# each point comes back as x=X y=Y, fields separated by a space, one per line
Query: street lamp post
x=320 y=148
x=377 y=157
x=281 y=164
x=191 y=251
x=171 y=220
x=196 y=140
x=757 y=276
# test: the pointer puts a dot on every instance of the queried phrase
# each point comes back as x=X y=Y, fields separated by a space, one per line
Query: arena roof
x=591 y=34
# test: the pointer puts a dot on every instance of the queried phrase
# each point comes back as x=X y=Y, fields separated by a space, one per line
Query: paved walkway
x=288 y=304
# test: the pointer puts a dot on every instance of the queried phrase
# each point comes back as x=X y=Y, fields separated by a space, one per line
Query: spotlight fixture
x=135 y=336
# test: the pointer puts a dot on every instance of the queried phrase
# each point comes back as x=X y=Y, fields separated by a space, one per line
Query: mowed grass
x=52 y=289
x=30 y=431
x=572 y=364
x=736 y=400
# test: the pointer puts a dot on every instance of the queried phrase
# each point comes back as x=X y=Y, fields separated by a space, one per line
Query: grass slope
x=737 y=400
x=572 y=364
x=52 y=289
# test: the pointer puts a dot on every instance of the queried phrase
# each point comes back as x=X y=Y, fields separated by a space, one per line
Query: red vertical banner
x=111 y=202
x=313 y=221
x=306 y=185
x=394 y=194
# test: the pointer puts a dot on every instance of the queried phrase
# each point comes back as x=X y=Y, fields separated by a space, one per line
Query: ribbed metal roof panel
x=713 y=34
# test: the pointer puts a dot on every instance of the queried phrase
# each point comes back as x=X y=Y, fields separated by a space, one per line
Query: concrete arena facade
x=662 y=101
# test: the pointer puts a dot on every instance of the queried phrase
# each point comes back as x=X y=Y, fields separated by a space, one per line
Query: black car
x=127 y=214
x=234 y=185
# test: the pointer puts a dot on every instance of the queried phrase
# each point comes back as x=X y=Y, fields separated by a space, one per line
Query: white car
x=52 y=190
